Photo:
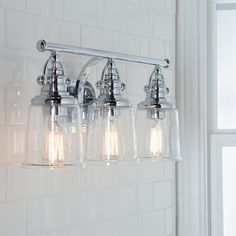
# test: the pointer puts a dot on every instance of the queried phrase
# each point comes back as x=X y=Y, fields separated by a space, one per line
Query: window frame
x=217 y=142
x=219 y=138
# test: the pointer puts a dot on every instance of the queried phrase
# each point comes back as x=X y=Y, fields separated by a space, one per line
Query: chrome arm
x=42 y=46
x=82 y=78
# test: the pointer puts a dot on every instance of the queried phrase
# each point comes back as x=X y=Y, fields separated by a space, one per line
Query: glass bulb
x=156 y=139
x=56 y=140
x=53 y=136
x=111 y=136
x=112 y=140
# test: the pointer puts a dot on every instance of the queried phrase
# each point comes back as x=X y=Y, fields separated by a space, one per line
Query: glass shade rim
x=156 y=109
x=174 y=158
x=50 y=166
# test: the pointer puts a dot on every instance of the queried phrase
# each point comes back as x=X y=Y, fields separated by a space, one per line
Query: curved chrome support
x=82 y=78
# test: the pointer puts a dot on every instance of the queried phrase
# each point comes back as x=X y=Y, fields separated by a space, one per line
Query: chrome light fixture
x=67 y=119
x=53 y=135
x=157 y=122
x=111 y=131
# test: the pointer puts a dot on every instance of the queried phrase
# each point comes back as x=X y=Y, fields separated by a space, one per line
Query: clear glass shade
x=158 y=138
x=111 y=135
x=53 y=136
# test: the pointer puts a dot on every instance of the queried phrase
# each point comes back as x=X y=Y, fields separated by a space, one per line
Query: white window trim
x=191 y=84
x=218 y=137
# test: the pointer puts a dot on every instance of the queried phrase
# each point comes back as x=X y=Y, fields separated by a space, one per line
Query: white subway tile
x=86 y=230
x=137 y=77
x=164 y=27
x=18 y=100
x=12 y=67
x=12 y=219
x=151 y=171
x=102 y=176
x=132 y=200
x=4 y=143
x=133 y=1
x=62 y=181
x=81 y=11
x=144 y=47
x=123 y=175
x=170 y=5
x=136 y=99
x=54 y=213
x=49 y=8
x=34 y=6
x=23 y=183
x=157 y=48
x=153 y=224
x=169 y=221
x=139 y=21
x=86 y=179
x=92 y=37
x=79 y=208
x=112 y=14
x=2 y=27
x=13 y=4
x=169 y=170
x=34 y=216
x=152 y=47
x=127 y=226
x=103 y=228
x=52 y=8
x=162 y=195
x=154 y=4
x=52 y=28
x=68 y=232
x=2 y=182
x=34 y=63
x=145 y=197
x=126 y=43
x=111 y=203
x=69 y=33
x=23 y=30
x=2 y=105
x=17 y=139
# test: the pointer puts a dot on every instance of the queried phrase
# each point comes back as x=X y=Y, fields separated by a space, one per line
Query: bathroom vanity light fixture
x=157 y=122
x=53 y=122
x=68 y=120
x=111 y=130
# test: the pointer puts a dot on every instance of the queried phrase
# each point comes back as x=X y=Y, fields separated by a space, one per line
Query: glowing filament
x=156 y=140
x=55 y=148
x=111 y=140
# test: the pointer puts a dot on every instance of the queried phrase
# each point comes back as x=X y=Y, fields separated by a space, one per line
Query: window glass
x=226 y=69
x=229 y=190
x=226 y=1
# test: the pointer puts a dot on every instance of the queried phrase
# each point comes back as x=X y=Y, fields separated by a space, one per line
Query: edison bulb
x=156 y=139
x=56 y=141
x=112 y=139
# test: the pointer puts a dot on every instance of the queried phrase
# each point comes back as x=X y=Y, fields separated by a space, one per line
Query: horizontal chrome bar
x=42 y=46
x=225 y=6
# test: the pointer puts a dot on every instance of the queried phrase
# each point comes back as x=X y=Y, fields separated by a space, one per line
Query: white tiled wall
x=97 y=201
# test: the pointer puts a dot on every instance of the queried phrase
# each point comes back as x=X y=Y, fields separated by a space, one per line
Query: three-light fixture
x=69 y=125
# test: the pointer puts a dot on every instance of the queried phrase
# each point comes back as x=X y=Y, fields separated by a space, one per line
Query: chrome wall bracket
x=57 y=87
